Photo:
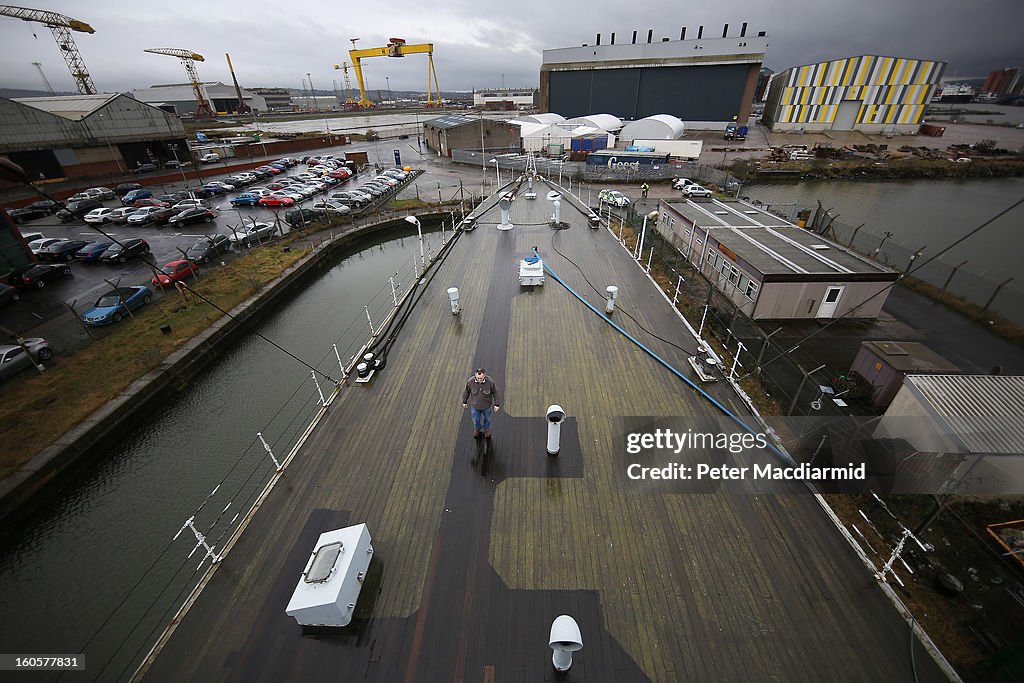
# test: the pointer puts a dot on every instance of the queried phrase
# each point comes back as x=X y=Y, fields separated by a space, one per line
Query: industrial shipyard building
x=180 y=98
x=707 y=82
x=869 y=93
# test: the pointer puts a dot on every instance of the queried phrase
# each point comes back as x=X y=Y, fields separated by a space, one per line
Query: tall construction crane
x=188 y=60
x=46 y=81
x=61 y=27
x=396 y=47
x=242 y=107
x=350 y=102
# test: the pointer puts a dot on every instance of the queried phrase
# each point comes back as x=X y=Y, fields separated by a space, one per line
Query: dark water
x=97 y=571
x=931 y=213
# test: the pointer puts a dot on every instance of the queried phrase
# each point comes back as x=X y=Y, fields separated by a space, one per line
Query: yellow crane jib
x=61 y=27
x=396 y=47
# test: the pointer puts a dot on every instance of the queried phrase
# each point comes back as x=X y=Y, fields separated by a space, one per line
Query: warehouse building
x=769 y=267
x=708 y=82
x=456 y=131
x=180 y=98
x=507 y=99
x=277 y=99
x=86 y=135
x=870 y=93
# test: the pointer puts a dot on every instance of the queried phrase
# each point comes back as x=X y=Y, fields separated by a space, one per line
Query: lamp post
x=174 y=151
x=387 y=79
x=497 y=172
x=419 y=231
x=106 y=136
x=256 y=121
x=312 y=93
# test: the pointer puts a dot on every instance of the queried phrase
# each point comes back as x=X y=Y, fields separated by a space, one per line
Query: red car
x=340 y=174
x=269 y=169
x=174 y=271
x=149 y=201
x=276 y=200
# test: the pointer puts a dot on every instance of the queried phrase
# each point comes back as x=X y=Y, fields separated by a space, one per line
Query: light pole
x=106 y=136
x=419 y=231
x=496 y=171
x=256 y=121
x=312 y=93
x=174 y=151
x=388 y=80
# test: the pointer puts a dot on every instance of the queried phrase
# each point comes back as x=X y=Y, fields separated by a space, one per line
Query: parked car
x=62 y=251
x=36 y=246
x=99 y=193
x=333 y=207
x=189 y=204
x=48 y=205
x=38 y=276
x=253 y=234
x=92 y=251
x=124 y=188
x=13 y=358
x=144 y=168
x=297 y=217
x=245 y=199
x=143 y=215
x=172 y=198
x=206 y=248
x=99 y=216
x=77 y=209
x=149 y=201
x=161 y=216
x=27 y=213
x=696 y=190
x=197 y=214
x=130 y=198
x=613 y=197
x=175 y=271
x=120 y=216
x=210 y=158
x=115 y=304
x=680 y=183
x=121 y=254
x=8 y=294
x=276 y=200
x=352 y=197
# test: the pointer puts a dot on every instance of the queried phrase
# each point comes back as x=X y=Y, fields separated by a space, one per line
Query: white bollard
x=555 y=416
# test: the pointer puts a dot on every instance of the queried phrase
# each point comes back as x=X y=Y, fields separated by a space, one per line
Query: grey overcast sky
x=274 y=43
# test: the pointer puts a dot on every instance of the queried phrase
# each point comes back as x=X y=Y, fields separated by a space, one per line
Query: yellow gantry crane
x=188 y=59
x=61 y=27
x=396 y=47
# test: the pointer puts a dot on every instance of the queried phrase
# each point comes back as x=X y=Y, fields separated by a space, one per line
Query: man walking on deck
x=481 y=396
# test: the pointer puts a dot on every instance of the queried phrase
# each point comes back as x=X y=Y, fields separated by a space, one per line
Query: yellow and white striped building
x=870 y=93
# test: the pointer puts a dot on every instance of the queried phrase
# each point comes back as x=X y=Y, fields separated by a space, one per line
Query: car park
x=77 y=209
x=198 y=214
x=39 y=275
x=8 y=294
x=696 y=190
x=613 y=197
x=174 y=271
x=92 y=251
x=127 y=249
x=130 y=198
x=330 y=207
x=299 y=217
x=210 y=158
x=116 y=304
x=62 y=251
x=143 y=215
x=36 y=246
x=207 y=247
x=13 y=358
x=99 y=216
x=253 y=234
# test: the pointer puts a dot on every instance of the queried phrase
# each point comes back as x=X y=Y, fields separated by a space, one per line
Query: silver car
x=13 y=358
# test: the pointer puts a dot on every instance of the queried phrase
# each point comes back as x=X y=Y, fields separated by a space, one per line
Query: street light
x=419 y=231
x=174 y=151
x=312 y=93
x=496 y=171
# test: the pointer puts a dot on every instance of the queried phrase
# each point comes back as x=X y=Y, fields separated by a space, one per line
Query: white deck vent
x=329 y=587
x=820 y=247
x=721 y=213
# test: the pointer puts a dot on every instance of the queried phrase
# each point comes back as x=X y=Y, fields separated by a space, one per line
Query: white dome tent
x=547 y=119
x=605 y=122
x=657 y=127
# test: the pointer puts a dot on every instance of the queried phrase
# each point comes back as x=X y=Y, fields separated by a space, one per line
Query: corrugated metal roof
x=985 y=411
x=73 y=107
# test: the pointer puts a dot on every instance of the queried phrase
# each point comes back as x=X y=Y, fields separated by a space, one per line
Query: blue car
x=134 y=196
x=115 y=304
x=245 y=199
x=92 y=251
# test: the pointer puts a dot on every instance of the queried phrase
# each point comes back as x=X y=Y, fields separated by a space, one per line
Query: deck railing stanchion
x=323 y=401
x=266 y=447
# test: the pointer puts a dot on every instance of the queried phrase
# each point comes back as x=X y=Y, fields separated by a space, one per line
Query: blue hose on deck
x=661 y=360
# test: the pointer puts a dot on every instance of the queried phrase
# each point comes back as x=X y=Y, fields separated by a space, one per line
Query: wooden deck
x=477 y=553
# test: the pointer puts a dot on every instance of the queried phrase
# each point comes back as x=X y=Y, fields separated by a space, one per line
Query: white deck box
x=329 y=587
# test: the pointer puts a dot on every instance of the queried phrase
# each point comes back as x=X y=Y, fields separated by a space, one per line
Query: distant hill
x=11 y=93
